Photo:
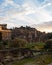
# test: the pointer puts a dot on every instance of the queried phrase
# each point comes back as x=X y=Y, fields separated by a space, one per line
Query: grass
x=24 y=61
x=41 y=60
x=35 y=46
x=48 y=58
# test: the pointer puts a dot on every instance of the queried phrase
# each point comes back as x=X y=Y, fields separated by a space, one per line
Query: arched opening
x=0 y=36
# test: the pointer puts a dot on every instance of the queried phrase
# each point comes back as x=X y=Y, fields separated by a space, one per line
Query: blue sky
x=26 y=12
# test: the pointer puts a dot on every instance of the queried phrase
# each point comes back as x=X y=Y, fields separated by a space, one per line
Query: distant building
x=5 y=34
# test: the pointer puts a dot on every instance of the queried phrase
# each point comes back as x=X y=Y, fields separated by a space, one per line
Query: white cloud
x=22 y=12
x=21 y=15
x=46 y=26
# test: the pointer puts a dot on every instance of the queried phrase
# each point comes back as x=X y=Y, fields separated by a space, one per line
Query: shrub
x=48 y=44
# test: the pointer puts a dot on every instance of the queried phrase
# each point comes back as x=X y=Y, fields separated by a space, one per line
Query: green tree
x=17 y=43
x=48 y=45
x=2 y=45
x=49 y=35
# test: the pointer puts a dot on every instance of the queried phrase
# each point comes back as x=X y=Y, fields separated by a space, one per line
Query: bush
x=17 y=43
x=48 y=44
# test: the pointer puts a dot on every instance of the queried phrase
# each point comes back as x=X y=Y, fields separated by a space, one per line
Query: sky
x=35 y=13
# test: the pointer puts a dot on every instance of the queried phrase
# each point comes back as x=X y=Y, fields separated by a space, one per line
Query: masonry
x=28 y=33
x=5 y=34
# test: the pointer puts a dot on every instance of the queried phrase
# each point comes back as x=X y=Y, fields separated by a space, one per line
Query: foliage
x=49 y=35
x=48 y=45
x=17 y=43
x=21 y=43
x=1 y=45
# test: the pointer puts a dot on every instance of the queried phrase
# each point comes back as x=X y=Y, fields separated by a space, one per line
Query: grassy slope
x=36 y=46
x=41 y=60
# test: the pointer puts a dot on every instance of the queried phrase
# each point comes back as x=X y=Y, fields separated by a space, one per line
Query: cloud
x=46 y=26
x=18 y=15
x=27 y=13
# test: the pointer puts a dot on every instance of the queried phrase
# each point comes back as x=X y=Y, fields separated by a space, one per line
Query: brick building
x=5 y=34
